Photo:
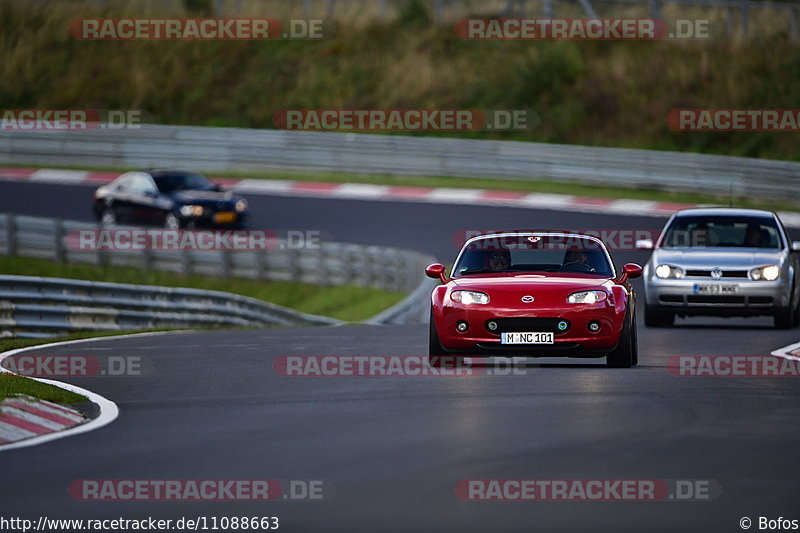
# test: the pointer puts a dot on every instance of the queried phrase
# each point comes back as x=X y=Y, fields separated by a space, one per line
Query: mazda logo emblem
x=527 y=299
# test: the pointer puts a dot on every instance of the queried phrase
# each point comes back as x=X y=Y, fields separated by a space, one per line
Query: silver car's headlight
x=669 y=271
x=768 y=273
x=469 y=297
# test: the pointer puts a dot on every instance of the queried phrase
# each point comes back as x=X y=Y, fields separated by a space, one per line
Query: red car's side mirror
x=436 y=271
x=630 y=271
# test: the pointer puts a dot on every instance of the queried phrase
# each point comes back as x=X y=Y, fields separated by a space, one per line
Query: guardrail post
x=186 y=262
x=375 y=257
x=322 y=267
x=411 y=274
x=329 y=9
x=259 y=263
x=655 y=9
x=225 y=263
x=793 y=24
x=307 y=8
x=147 y=260
x=294 y=264
x=58 y=240
x=11 y=234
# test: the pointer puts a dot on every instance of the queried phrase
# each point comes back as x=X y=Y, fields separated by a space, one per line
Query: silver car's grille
x=725 y=273
x=725 y=300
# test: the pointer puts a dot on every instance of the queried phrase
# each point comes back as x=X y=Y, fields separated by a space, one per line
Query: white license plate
x=715 y=288
x=519 y=337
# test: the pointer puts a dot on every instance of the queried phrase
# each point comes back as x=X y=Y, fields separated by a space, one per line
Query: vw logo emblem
x=716 y=273
x=527 y=299
x=562 y=325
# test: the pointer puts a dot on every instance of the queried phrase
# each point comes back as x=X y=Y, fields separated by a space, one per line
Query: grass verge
x=11 y=384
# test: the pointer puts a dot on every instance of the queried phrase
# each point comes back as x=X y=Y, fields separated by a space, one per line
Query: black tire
x=657 y=318
x=785 y=318
x=622 y=356
x=634 y=341
x=435 y=351
x=796 y=322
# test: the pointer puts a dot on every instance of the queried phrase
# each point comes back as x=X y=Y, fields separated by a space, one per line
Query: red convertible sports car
x=537 y=294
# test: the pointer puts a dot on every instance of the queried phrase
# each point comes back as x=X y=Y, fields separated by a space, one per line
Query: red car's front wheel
x=625 y=355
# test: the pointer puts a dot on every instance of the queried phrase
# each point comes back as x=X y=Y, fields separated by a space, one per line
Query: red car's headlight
x=469 y=297
x=587 y=297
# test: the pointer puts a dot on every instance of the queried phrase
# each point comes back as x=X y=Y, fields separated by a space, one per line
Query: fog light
x=492 y=325
x=462 y=326
x=594 y=326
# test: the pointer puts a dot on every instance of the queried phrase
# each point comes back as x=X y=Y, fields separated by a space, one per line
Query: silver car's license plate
x=531 y=337
x=715 y=288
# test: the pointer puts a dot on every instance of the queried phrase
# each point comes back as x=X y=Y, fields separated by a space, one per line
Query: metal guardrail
x=329 y=263
x=29 y=305
x=34 y=306
x=249 y=149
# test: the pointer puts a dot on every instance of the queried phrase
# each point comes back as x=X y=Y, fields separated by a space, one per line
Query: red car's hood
x=514 y=282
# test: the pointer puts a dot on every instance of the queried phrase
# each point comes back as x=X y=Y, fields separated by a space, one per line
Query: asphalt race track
x=209 y=405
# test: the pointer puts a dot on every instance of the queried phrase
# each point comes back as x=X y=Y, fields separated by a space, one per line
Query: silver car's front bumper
x=749 y=298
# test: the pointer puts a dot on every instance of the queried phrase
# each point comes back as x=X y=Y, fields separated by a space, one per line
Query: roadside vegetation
x=11 y=384
x=593 y=93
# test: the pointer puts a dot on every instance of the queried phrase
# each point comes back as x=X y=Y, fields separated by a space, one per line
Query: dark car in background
x=172 y=199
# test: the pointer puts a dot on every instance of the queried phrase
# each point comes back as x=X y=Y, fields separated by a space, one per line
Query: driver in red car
x=499 y=261
x=576 y=255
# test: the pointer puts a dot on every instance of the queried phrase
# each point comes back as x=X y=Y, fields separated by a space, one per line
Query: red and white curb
x=24 y=417
x=791 y=352
x=365 y=191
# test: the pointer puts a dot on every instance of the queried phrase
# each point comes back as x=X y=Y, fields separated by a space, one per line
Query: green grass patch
x=347 y=302
x=11 y=385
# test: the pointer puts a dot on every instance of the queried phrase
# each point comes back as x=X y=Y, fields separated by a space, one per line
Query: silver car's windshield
x=525 y=253
x=723 y=232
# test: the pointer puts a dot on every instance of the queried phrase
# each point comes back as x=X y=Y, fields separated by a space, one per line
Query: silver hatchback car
x=722 y=262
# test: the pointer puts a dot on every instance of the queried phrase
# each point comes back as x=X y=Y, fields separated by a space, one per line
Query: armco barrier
x=34 y=306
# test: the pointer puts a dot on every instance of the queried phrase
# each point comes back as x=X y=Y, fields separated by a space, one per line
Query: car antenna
x=730 y=195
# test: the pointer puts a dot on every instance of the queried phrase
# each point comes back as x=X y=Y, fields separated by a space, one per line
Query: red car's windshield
x=529 y=253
